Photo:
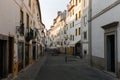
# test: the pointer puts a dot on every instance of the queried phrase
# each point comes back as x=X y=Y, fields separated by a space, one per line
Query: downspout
x=90 y=32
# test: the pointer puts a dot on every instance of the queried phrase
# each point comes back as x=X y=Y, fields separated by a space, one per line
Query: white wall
x=99 y=5
x=98 y=33
x=9 y=17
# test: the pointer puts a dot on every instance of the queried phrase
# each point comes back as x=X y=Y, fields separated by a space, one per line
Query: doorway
x=27 y=54
x=78 y=50
x=110 y=50
x=3 y=59
x=20 y=55
x=11 y=54
x=34 y=52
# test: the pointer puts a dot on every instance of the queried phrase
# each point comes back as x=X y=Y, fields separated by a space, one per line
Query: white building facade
x=106 y=34
x=20 y=23
x=56 y=31
x=77 y=23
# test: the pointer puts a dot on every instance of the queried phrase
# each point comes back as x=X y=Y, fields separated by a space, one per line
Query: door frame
x=106 y=52
x=111 y=29
x=5 y=39
x=23 y=54
x=12 y=52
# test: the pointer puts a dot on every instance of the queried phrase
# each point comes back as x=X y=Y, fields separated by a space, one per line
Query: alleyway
x=55 y=68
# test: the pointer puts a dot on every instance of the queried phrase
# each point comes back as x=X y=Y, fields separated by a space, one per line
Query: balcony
x=31 y=34
x=20 y=29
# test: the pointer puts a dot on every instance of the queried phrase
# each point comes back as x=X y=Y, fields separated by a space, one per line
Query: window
x=70 y=25
x=30 y=3
x=79 y=1
x=79 y=14
x=27 y=21
x=76 y=17
x=76 y=2
x=21 y=16
x=85 y=20
x=76 y=32
x=73 y=37
x=73 y=24
x=85 y=35
x=67 y=27
x=79 y=31
x=73 y=11
x=84 y=3
x=85 y=52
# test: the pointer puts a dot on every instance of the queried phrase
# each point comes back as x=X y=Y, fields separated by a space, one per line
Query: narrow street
x=59 y=39
x=55 y=68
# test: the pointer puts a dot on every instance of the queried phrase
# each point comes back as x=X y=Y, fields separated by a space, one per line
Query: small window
x=73 y=11
x=76 y=17
x=85 y=20
x=21 y=16
x=76 y=2
x=76 y=32
x=79 y=14
x=79 y=31
x=73 y=24
x=27 y=21
x=84 y=3
x=85 y=35
x=85 y=52
x=79 y=1
x=73 y=37
x=30 y=3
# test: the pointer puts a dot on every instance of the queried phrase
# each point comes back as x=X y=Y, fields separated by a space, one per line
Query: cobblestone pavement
x=55 y=68
x=31 y=71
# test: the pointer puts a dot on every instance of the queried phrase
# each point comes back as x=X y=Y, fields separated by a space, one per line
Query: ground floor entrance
x=34 y=51
x=111 y=55
x=11 y=54
x=78 y=50
x=27 y=49
x=110 y=48
x=20 y=55
x=3 y=56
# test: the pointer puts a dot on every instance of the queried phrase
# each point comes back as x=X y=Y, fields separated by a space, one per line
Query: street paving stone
x=55 y=68
x=31 y=71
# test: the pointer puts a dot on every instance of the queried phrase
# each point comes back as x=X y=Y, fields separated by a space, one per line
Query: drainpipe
x=90 y=32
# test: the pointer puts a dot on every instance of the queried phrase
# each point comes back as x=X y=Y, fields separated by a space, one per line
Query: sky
x=49 y=9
